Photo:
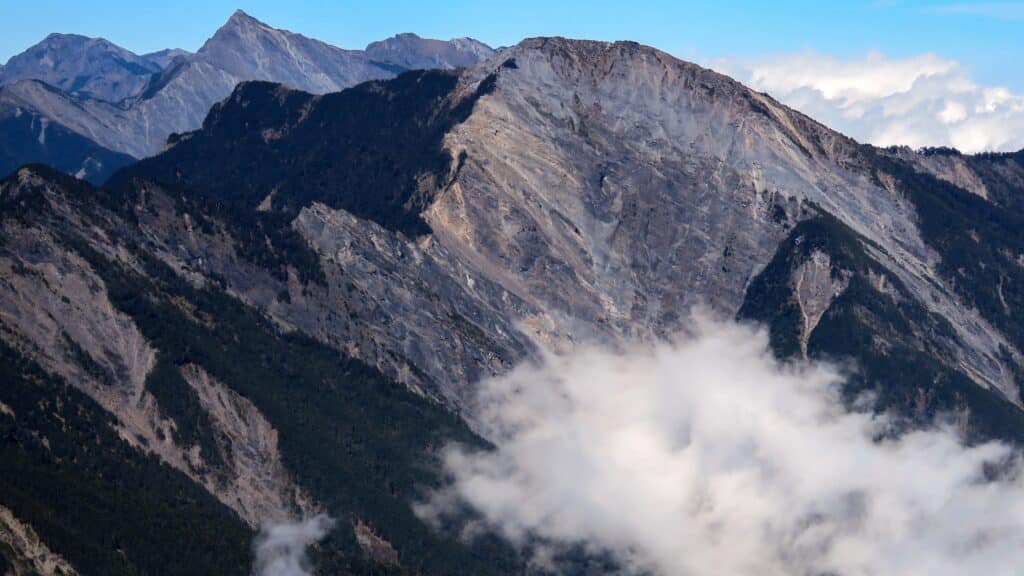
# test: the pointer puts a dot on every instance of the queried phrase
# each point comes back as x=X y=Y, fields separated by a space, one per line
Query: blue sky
x=987 y=36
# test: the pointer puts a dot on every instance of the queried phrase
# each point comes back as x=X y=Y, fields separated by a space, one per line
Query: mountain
x=248 y=49
x=595 y=216
x=411 y=52
x=164 y=58
x=177 y=88
x=289 y=309
x=25 y=137
x=82 y=66
x=176 y=420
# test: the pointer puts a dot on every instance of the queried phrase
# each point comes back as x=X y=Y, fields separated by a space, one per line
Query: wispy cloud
x=998 y=10
x=280 y=549
x=923 y=100
x=707 y=456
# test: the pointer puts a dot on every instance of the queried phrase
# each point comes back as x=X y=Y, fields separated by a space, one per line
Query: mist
x=280 y=549
x=706 y=456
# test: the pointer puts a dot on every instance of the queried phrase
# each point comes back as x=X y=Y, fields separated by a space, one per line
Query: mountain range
x=87 y=107
x=286 y=309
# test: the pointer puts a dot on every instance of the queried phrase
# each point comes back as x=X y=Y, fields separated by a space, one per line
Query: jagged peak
x=237 y=25
x=242 y=31
x=240 y=18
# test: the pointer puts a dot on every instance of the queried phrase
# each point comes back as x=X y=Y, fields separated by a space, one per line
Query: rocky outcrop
x=815 y=285
x=29 y=554
x=257 y=485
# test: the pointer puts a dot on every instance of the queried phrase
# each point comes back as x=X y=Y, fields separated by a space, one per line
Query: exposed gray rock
x=258 y=487
x=627 y=186
x=412 y=52
x=815 y=287
x=952 y=168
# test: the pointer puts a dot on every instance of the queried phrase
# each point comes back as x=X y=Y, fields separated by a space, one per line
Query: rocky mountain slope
x=82 y=66
x=25 y=134
x=172 y=91
x=293 y=300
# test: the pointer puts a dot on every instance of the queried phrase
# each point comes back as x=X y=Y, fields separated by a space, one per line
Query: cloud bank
x=708 y=457
x=918 y=101
x=280 y=549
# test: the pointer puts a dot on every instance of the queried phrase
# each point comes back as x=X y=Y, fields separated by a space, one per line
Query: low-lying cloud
x=706 y=456
x=923 y=100
x=280 y=549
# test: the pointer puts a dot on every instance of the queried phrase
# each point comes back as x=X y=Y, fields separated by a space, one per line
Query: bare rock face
x=258 y=486
x=248 y=49
x=815 y=286
x=996 y=177
x=31 y=555
x=628 y=186
x=167 y=56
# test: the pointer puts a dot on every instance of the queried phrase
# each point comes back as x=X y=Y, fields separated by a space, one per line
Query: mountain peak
x=93 y=67
x=409 y=50
x=241 y=18
x=240 y=33
x=53 y=36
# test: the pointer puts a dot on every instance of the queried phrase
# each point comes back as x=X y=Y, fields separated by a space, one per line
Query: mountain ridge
x=346 y=268
x=179 y=88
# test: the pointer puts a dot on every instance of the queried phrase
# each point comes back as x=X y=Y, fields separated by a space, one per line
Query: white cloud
x=280 y=549
x=923 y=100
x=708 y=457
